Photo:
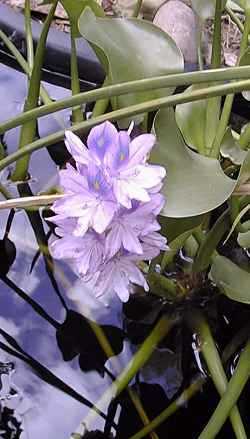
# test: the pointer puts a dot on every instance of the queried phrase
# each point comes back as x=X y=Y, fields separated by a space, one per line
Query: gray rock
x=179 y=21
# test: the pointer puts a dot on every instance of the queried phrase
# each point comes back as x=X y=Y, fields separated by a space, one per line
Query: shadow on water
x=52 y=368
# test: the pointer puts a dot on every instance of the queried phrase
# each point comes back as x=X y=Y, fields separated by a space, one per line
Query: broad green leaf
x=232 y=280
x=131 y=49
x=191 y=118
x=205 y=8
x=173 y=227
x=74 y=8
x=230 y=148
x=244 y=239
x=194 y=184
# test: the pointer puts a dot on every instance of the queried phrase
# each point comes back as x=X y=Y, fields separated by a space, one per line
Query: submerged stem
x=230 y=397
x=199 y=325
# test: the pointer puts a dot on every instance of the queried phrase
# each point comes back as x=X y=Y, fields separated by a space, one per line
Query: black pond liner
x=56 y=67
x=36 y=337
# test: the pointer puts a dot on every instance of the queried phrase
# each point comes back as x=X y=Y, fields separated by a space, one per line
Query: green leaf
x=194 y=184
x=232 y=280
x=174 y=227
x=230 y=148
x=237 y=221
x=131 y=49
x=74 y=8
x=208 y=246
x=205 y=8
x=244 y=239
x=191 y=118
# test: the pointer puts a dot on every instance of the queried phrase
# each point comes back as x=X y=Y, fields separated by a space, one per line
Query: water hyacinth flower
x=107 y=218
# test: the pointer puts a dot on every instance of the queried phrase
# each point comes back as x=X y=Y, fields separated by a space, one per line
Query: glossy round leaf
x=131 y=49
x=194 y=184
x=232 y=280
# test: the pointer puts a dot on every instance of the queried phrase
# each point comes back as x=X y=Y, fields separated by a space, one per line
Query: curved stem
x=172 y=408
x=77 y=114
x=102 y=104
x=214 y=104
x=215 y=151
x=235 y=18
x=29 y=39
x=36 y=307
x=230 y=397
x=137 y=8
x=47 y=376
x=126 y=112
x=244 y=139
x=230 y=73
x=23 y=63
x=139 y=359
x=29 y=129
x=199 y=325
x=5 y=192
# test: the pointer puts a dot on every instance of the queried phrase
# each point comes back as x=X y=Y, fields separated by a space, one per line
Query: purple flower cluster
x=107 y=218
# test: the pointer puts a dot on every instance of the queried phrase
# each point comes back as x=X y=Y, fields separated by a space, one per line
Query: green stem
x=234 y=18
x=137 y=8
x=216 y=48
x=137 y=86
x=215 y=151
x=164 y=287
x=23 y=63
x=29 y=39
x=127 y=112
x=210 y=242
x=214 y=104
x=244 y=139
x=236 y=342
x=174 y=247
x=199 y=325
x=199 y=44
x=102 y=104
x=77 y=114
x=230 y=397
x=160 y=331
x=29 y=128
x=5 y=192
x=172 y=408
x=34 y=305
x=195 y=387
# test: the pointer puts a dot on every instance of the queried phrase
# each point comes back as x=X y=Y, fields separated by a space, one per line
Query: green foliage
x=131 y=49
x=232 y=280
x=203 y=204
x=194 y=184
x=191 y=118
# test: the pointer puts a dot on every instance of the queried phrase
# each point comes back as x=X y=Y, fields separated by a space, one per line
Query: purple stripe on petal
x=101 y=139
x=121 y=155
